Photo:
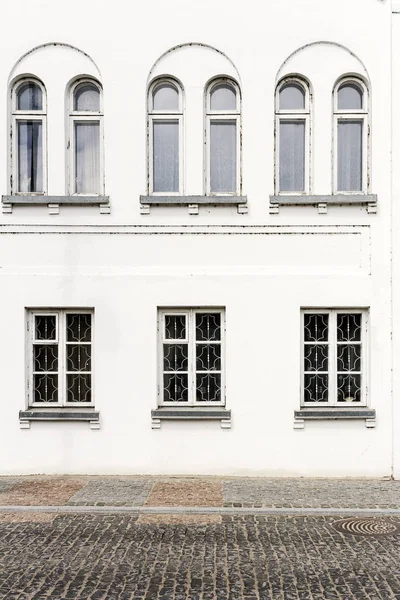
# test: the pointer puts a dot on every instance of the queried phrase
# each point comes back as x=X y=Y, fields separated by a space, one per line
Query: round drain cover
x=367 y=526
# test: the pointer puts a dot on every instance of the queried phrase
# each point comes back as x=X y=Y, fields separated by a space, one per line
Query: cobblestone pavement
x=91 y=557
x=200 y=491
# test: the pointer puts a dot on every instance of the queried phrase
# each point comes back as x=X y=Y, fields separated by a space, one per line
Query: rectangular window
x=30 y=156
x=166 y=156
x=87 y=157
x=191 y=357
x=334 y=357
x=60 y=358
x=292 y=161
x=350 y=155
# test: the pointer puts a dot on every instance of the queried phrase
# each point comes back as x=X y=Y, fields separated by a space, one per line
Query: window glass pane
x=349 y=387
x=87 y=157
x=223 y=156
x=349 y=357
x=292 y=97
x=315 y=387
x=165 y=97
x=350 y=97
x=349 y=327
x=208 y=387
x=208 y=327
x=223 y=97
x=316 y=357
x=30 y=156
x=29 y=97
x=87 y=98
x=349 y=156
x=79 y=357
x=45 y=327
x=316 y=327
x=292 y=156
x=79 y=327
x=45 y=388
x=175 y=387
x=175 y=357
x=208 y=357
x=79 y=387
x=165 y=156
x=175 y=327
x=45 y=358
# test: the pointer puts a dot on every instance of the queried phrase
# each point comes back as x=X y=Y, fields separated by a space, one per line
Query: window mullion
x=332 y=336
x=192 y=352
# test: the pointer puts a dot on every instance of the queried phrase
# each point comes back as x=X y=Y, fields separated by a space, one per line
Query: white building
x=199 y=238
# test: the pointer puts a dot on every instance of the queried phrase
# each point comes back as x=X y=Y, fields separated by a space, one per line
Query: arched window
x=350 y=101
x=165 y=123
x=86 y=174
x=223 y=139
x=292 y=145
x=28 y=137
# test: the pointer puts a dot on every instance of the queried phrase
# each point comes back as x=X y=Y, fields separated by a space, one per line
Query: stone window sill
x=59 y=414
x=54 y=202
x=322 y=201
x=192 y=202
x=189 y=414
x=328 y=414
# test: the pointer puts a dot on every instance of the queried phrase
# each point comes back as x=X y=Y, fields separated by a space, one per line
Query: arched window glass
x=350 y=123
x=87 y=98
x=292 y=137
x=86 y=135
x=165 y=122
x=223 y=137
x=29 y=136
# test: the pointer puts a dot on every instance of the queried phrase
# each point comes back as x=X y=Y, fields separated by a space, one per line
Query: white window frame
x=76 y=116
x=61 y=339
x=165 y=115
x=27 y=115
x=190 y=339
x=300 y=115
x=352 y=115
x=332 y=359
x=222 y=115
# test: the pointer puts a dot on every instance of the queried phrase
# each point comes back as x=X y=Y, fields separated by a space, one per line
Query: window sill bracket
x=328 y=414
x=191 y=414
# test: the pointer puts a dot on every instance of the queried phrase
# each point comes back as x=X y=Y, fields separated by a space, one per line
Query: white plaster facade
x=260 y=265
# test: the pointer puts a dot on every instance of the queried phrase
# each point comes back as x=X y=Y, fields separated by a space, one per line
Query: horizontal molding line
x=33 y=229
x=199 y=510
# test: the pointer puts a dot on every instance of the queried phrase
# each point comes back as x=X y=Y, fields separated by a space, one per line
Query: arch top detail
x=193 y=63
x=34 y=60
x=324 y=55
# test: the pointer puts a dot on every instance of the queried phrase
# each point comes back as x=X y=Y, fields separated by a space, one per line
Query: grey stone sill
x=66 y=414
x=190 y=414
x=334 y=413
x=53 y=202
x=323 y=201
x=186 y=200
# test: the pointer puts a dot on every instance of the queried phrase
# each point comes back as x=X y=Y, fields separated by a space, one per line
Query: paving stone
x=311 y=493
x=186 y=492
x=113 y=492
x=40 y=491
x=240 y=558
x=26 y=517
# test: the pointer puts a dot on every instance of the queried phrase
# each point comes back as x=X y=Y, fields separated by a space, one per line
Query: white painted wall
x=262 y=268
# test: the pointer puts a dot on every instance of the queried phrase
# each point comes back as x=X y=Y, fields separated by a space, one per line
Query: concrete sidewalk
x=199 y=492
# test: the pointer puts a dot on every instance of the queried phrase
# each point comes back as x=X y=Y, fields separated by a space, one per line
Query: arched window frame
x=340 y=115
x=75 y=116
x=29 y=115
x=298 y=115
x=164 y=115
x=222 y=115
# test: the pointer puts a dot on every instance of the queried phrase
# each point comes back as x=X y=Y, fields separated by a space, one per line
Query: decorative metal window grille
x=334 y=357
x=60 y=358
x=191 y=351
